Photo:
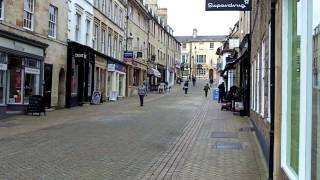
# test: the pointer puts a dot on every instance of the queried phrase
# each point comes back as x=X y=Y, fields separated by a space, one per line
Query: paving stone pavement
x=169 y=138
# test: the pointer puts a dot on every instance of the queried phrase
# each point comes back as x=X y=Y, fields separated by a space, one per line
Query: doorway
x=47 y=84
x=61 y=88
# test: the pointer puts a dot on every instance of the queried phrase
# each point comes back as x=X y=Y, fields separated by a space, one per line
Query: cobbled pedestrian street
x=173 y=136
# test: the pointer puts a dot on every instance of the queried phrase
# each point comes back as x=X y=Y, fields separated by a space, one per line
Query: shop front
x=80 y=74
x=116 y=83
x=162 y=71
x=21 y=71
x=154 y=77
x=100 y=74
x=300 y=139
x=137 y=73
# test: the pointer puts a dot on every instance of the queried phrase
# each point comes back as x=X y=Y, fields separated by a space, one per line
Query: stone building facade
x=35 y=33
x=260 y=72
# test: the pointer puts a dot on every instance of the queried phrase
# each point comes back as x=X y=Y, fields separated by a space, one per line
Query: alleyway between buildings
x=174 y=136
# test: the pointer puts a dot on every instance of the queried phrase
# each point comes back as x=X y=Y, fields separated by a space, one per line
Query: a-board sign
x=228 y=5
x=96 y=97
x=113 y=96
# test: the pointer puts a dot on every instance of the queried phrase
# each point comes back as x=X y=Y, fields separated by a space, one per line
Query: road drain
x=227 y=146
x=224 y=135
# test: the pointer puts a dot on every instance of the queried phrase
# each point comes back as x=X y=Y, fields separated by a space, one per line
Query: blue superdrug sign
x=228 y=5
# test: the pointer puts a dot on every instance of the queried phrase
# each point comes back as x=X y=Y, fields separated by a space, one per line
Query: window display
x=74 y=79
x=15 y=81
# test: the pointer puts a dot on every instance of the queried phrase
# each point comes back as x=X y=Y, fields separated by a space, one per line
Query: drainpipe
x=272 y=86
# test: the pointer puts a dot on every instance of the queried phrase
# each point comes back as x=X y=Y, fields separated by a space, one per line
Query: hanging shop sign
x=228 y=5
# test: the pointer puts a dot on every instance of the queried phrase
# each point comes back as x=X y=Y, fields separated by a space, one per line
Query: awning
x=232 y=65
x=154 y=72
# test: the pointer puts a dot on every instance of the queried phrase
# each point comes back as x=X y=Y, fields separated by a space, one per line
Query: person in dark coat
x=206 y=89
x=185 y=87
x=194 y=81
x=222 y=92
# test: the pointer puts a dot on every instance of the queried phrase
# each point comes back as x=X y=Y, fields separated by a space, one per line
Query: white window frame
x=305 y=126
x=252 y=85
x=2 y=9
x=110 y=9
x=120 y=18
x=88 y=27
x=115 y=11
x=96 y=3
x=28 y=11
x=78 y=27
x=258 y=82
x=53 y=21
x=263 y=59
x=269 y=76
x=96 y=36
x=103 y=41
x=211 y=47
x=110 y=43
x=104 y=7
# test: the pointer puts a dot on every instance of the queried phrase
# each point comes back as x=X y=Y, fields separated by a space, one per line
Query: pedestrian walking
x=206 y=89
x=211 y=82
x=142 y=91
x=222 y=92
x=194 y=81
x=185 y=87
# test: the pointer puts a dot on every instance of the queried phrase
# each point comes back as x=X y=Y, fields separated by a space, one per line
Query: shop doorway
x=61 y=88
x=47 y=84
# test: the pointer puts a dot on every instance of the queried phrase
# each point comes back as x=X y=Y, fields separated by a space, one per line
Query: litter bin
x=215 y=94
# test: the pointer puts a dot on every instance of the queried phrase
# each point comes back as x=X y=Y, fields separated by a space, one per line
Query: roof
x=201 y=38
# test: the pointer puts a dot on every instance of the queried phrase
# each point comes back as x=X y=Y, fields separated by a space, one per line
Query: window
x=77 y=28
x=96 y=37
x=211 y=45
x=15 y=81
x=74 y=79
x=130 y=13
x=1 y=9
x=28 y=14
x=88 y=24
x=121 y=18
x=120 y=47
x=96 y=3
x=103 y=41
x=291 y=87
x=263 y=59
x=53 y=12
x=109 y=42
x=201 y=59
x=184 y=45
x=201 y=46
x=115 y=13
x=3 y=62
x=115 y=46
x=104 y=7
x=258 y=82
x=183 y=59
x=110 y=9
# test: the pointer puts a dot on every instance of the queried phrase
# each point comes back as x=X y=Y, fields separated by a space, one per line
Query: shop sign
x=111 y=67
x=31 y=70
x=228 y=5
x=120 y=68
x=3 y=67
x=128 y=55
x=84 y=56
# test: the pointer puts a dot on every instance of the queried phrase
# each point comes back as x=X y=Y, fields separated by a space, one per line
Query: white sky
x=184 y=15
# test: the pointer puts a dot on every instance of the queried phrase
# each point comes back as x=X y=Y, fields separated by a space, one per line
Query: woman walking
x=142 y=91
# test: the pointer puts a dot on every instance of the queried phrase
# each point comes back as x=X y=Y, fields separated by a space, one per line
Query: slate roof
x=182 y=39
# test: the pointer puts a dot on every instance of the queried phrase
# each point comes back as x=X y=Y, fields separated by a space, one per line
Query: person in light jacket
x=142 y=91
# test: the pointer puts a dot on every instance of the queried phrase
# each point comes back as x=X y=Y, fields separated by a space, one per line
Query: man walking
x=222 y=92
x=185 y=87
x=194 y=81
x=142 y=91
x=206 y=89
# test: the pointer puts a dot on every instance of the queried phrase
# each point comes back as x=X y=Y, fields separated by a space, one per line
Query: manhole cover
x=227 y=146
x=246 y=129
x=224 y=135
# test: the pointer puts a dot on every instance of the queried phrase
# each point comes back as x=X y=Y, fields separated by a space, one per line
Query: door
x=47 y=84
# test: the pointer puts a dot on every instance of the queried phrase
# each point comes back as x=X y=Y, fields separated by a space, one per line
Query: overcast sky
x=184 y=15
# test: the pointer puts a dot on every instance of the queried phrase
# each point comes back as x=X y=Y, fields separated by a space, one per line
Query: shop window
x=316 y=92
x=89 y=79
x=3 y=68
x=74 y=79
x=291 y=84
x=109 y=83
x=31 y=86
x=15 y=81
x=1 y=9
x=136 y=75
